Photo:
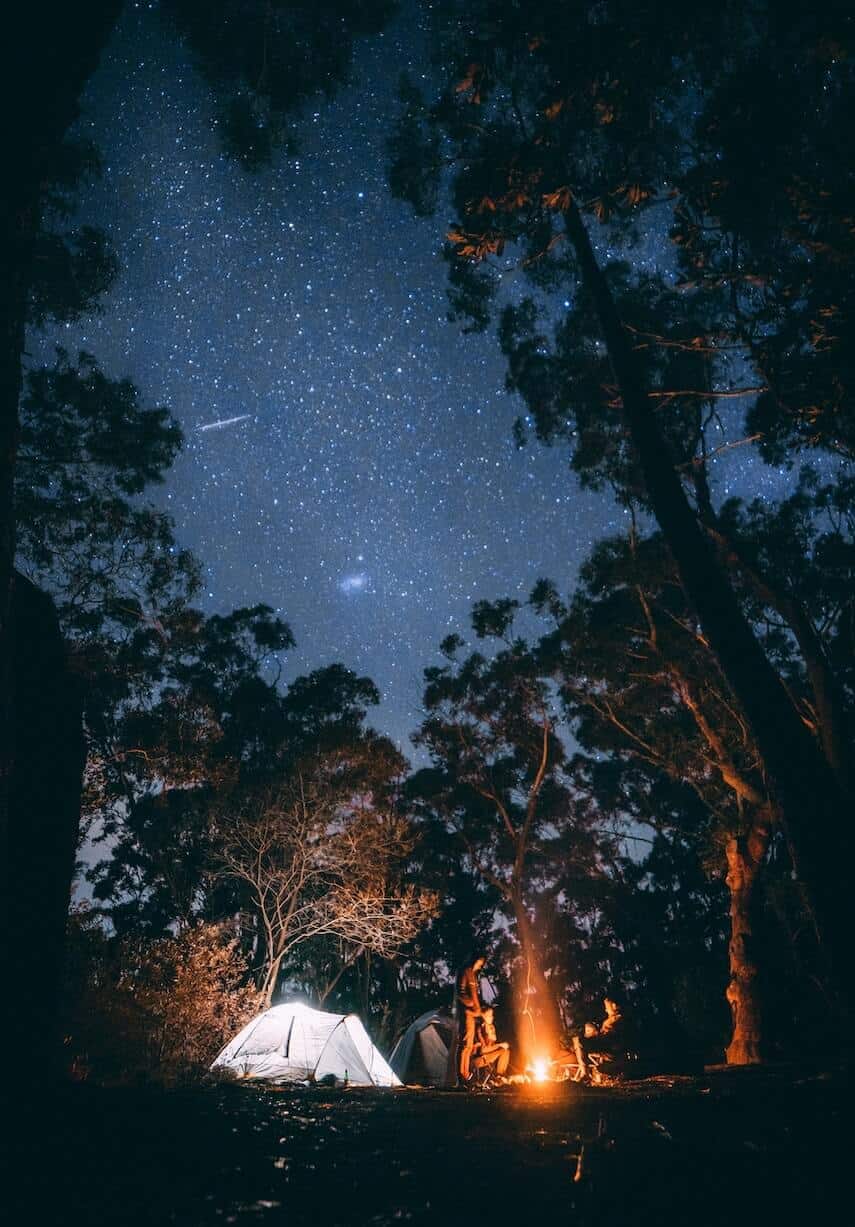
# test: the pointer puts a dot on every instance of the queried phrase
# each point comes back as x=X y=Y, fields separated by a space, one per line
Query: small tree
x=554 y=115
x=317 y=855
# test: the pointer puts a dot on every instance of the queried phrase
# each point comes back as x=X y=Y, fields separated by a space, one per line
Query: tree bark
x=813 y=807
x=538 y=1023
x=271 y=979
x=45 y=65
x=44 y=810
x=745 y=857
x=828 y=704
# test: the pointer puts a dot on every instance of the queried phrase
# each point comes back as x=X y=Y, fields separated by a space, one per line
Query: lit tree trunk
x=813 y=807
x=745 y=857
x=537 y=1022
x=271 y=979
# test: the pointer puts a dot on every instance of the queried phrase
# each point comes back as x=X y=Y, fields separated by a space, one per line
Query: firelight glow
x=540 y=1069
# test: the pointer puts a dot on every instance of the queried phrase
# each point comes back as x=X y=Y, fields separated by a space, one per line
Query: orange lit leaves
x=471 y=83
x=559 y=199
x=476 y=246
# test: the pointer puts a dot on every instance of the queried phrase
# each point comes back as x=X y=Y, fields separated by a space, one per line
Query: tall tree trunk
x=538 y=1023
x=813 y=807
x=49 y=53
x=745 y=857
x=828 y=702
x=44 y=812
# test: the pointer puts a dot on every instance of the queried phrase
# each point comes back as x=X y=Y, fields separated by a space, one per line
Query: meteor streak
x=222 y=422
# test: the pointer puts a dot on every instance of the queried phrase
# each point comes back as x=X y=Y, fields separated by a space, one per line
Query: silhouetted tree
x=498 y=786
x=197 y=719
x=554 y=113
x=642 y=686
x=262 y=60
x=45 y=67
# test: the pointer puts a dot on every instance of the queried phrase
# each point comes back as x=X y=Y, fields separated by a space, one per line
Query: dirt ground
x=733 y=1147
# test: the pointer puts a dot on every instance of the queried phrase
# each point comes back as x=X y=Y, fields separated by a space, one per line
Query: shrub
x=153 y=1008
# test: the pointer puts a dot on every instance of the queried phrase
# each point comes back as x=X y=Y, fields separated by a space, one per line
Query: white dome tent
x=294 y=1043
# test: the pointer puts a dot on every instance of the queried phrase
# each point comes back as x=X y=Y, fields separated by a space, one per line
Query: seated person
x=488 y=1050
x=605 y=1042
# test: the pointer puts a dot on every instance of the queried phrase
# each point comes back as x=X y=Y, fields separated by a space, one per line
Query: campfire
x=540 y=1069
x=544 y=1069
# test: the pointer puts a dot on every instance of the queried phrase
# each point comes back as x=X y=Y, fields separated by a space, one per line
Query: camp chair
x=483 y=1076
x=567 y=1068
x=605 y=1068
x=602 y=1067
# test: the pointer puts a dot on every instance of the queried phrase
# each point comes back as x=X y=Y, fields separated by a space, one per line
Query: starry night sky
x=366 y=484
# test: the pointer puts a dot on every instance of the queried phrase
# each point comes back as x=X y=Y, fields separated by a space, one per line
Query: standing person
x=469 y=1010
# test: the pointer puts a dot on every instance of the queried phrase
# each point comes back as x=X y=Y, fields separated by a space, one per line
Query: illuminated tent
x=293 y=1043
x=425 y=1053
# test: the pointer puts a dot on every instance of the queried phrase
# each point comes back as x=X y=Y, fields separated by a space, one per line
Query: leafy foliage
x=319 y=854
x=156 y=1008
x=87 y=449
x=264 y=61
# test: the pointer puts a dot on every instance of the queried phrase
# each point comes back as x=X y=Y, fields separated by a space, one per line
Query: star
x=382 y=432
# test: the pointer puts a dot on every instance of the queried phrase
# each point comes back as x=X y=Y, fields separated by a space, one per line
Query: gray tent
x=424 y=1055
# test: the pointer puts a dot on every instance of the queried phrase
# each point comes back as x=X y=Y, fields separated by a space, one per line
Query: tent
x=293 y=1043
x=425 y=1052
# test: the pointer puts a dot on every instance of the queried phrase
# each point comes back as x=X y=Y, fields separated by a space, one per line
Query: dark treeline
x=650 y=787
x=262 y=62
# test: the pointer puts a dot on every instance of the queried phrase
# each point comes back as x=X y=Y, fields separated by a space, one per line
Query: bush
x=153 y=1008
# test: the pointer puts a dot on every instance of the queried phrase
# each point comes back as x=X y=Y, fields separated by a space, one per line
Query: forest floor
x=732 y=1147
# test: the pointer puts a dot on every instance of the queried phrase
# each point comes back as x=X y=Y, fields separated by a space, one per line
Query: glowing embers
x=540 y=1069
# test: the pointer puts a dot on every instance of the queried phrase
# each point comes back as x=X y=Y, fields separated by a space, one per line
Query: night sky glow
x=348 y=455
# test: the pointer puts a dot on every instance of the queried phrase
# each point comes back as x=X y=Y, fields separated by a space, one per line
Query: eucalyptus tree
x=50 y=269
x=262 y=61
x=167 y=694
x=319 y=853
x=497 y=785
x=557 y=119
x=642 y=686
x=201 y=715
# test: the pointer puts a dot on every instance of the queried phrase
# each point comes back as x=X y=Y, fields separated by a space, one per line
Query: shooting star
x=221 y=423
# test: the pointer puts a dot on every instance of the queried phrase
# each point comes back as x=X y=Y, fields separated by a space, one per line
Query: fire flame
x=540 y=1069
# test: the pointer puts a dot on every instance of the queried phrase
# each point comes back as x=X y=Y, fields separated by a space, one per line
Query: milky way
x=348 y=455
